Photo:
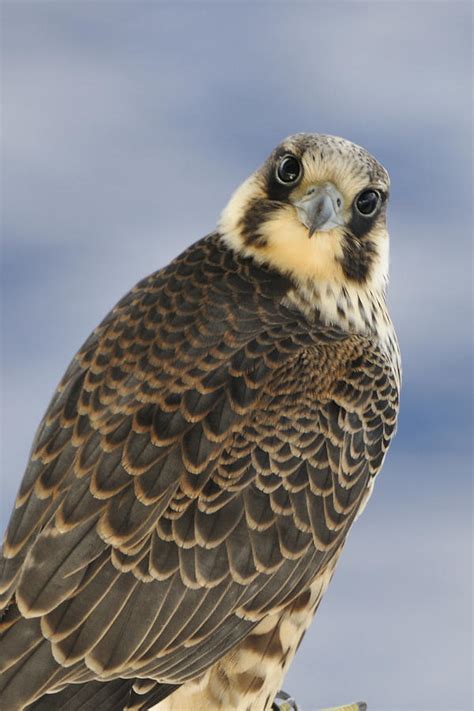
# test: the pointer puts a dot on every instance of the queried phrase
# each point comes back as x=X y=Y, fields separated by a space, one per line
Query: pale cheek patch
x=379 y=276
x=236 y=207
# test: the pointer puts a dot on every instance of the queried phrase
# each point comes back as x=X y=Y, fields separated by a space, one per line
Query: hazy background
x=126 y=125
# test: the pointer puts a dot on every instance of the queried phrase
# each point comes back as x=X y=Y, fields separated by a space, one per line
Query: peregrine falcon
x=192 y=483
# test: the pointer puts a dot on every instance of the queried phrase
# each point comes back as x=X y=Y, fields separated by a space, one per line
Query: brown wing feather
x=201 y=461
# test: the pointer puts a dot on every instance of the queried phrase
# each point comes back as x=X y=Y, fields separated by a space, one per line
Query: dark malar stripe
x=358 y=258
x=257 y=213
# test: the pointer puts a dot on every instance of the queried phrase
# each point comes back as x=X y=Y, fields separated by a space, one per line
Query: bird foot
x=285 y=702
x=356 y=706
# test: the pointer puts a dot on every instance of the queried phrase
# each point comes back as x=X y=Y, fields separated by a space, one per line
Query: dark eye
x=367 y=202
x=289 y=170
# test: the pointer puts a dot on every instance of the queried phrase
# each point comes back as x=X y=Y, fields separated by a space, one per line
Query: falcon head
x=316 y=211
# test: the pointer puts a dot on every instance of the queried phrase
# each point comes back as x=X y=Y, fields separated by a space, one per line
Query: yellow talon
x=356 y=706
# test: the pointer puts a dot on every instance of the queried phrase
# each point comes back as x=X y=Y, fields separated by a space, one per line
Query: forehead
x=333 y=158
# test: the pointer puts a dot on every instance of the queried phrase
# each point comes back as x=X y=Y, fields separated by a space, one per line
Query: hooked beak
x=321 y=208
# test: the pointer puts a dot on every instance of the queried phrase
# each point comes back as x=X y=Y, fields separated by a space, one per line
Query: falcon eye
x=289 y=170
x=367 y=202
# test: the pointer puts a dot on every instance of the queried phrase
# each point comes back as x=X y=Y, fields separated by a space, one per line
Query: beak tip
x=321 y=209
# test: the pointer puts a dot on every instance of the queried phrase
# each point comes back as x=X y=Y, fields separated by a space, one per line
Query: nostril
x=338 y=202
x=310 y=191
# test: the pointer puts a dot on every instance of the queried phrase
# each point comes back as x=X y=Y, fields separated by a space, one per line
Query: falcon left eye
x=289 y=170
x=367 y=202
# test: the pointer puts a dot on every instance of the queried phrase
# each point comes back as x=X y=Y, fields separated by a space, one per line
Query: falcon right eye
x=289 y=170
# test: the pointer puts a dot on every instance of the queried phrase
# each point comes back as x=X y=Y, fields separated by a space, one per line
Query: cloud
x=392 y=629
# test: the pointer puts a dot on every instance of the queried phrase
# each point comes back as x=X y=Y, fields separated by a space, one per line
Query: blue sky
x=127 y=125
